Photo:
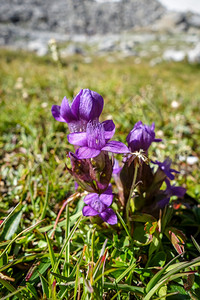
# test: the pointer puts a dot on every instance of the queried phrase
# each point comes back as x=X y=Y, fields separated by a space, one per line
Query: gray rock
x=71 y=50
x=38 y=47
x=193 y=55
x=193 y=20
x=174 y=55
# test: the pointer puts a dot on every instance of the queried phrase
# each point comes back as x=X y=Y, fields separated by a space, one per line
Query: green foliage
x=78 y=259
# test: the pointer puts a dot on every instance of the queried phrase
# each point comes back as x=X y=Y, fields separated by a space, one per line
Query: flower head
x=92 y=175
x=141 y=137
x=170 y=191
x=165 y=167
x=86 y=106
x=98 y=205
x=96 y=139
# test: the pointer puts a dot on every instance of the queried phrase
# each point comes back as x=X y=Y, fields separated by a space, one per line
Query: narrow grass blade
x=195 y=243
x=14 y=293
x=10 y=214
x=21 y=233
x=65 y=244
x=45 y=202
x=67 y=250
x=124 y=287
x=51 y=253
x=24 y=259
x=170 y=275
x=105 y=273
x=158 y=275
x=129 y=269
x=45 y=287
x=76 y=282
x=124 y=225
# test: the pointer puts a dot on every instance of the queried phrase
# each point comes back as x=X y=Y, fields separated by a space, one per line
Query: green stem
x=130 y=195
x=67 y=250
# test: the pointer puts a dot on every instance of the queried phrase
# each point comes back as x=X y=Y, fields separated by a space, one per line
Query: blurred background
x=142 y=56
x=101 y=26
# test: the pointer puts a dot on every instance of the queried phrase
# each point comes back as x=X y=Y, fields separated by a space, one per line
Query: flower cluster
x=92 y=165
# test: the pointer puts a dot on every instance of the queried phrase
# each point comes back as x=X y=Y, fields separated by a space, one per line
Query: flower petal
x=109 y=128
x=90 y=198
x=178 y=191
x=107 y=197
x=162 y=203
x=65 y=111
x=56 y=113
x=89 y=211
x=86 y=152
x=91 y=105
x=116 y=147
x=109 y=216
x=76 y=103
x=77 y=138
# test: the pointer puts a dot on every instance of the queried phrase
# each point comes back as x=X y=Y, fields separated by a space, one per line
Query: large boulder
x=80 y=16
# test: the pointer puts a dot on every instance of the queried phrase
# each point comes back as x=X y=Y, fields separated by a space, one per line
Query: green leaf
x=76 y=282
x=142 y=217
x=195 y=243
x=17 y=236
x=45 y=287
x=65 y=244
x=158 y=260
x=13 y=291
x=129 y=269
x=11 y=226
x=9 y=216
x=124 y=287
x=40 y=269
x=32 y=290
x=158 y=275
x=51 y=253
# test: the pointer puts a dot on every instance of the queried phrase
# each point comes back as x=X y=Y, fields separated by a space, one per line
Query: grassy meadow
x=79 y=259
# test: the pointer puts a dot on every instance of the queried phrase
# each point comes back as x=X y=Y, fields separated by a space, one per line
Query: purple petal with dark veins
x=77 y=138
x=76 y=103
x=90 y=197
x=116 y=147
x=85 y=152
x=116 y=167
x=89 y=211
x=109 y=128
x=65 y=111
x=56 y=113
x=109 y=216
x=107 y=197
x=91 y=105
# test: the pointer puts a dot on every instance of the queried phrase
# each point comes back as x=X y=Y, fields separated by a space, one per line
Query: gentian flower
x=170 y=191
x=92 y=175
x=86 y=106
x=141 y=137
x=116 y=168
x=165 y=167
x=98 y=205
x=96 y=139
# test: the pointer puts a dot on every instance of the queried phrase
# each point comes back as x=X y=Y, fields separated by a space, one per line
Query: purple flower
x=165 y=167
x=141 y=137
x=92 y=175
x=96 y=139
x=86 y=106
x=116 y=168
x=98 y=205
x=170 y=191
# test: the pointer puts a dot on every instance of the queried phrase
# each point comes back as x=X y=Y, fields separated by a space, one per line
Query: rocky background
x=111 y=25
